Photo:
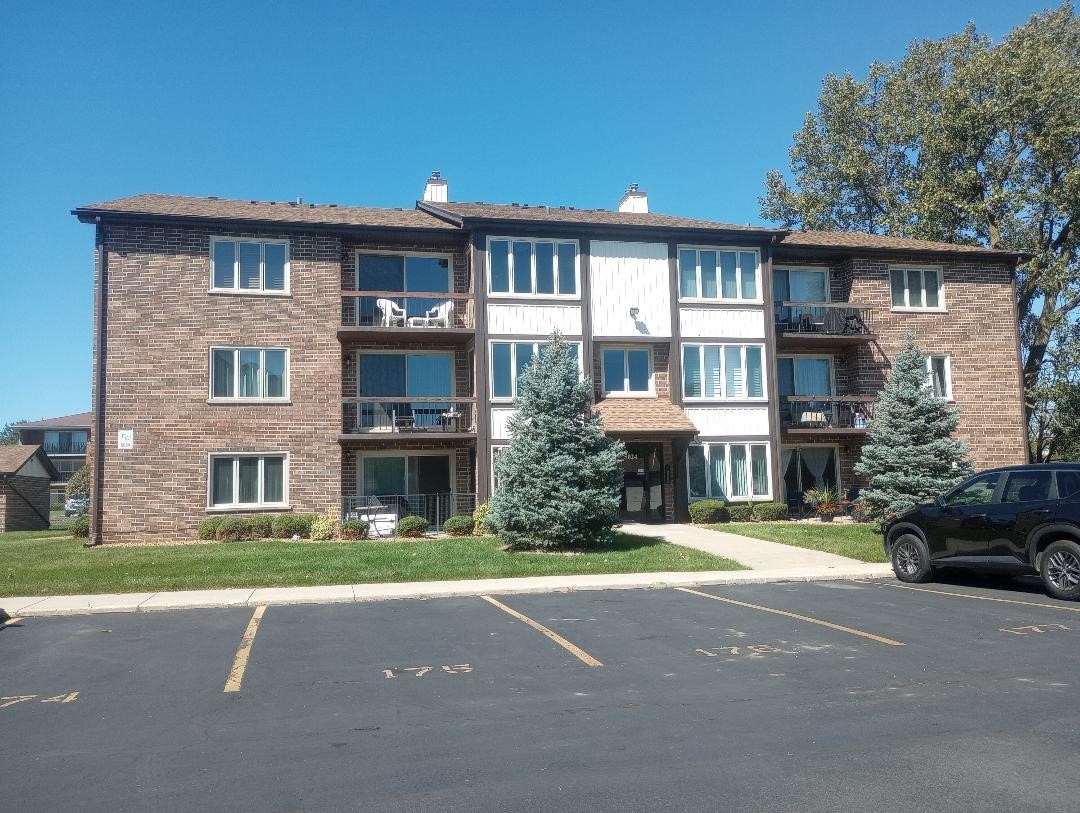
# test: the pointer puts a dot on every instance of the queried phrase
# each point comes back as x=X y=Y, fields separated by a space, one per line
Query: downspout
x=100 y=348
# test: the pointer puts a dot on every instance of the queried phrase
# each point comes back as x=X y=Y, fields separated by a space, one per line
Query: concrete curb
x=327 y=594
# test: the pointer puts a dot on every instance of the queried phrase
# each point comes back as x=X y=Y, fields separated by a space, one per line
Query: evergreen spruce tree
x=560 y=476
x=910 y=456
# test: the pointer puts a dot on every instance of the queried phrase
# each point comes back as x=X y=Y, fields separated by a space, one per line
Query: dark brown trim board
x=482 y=390
x=675 y=378
x=773 y=395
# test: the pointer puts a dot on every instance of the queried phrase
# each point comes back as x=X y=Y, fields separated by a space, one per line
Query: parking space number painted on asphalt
x=420 y=671
x=1035 y=629
x=11 y=700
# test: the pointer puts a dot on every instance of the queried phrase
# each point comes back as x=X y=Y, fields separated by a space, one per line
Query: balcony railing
x=382 y=511
x=414 y=415
x=65 y=447
x=823 y=318
x=416 y=311
x=823 y=413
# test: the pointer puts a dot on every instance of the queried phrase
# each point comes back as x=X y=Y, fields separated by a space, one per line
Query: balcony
x=821 y=325
x=376 y=418
x=64 y=446
x=826 y=414
x=392 y=314
x=382 y=511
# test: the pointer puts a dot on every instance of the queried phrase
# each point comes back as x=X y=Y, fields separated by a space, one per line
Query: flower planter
x=825 y=517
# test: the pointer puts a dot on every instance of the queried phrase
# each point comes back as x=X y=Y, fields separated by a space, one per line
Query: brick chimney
x=634 y=200
x=435 y=188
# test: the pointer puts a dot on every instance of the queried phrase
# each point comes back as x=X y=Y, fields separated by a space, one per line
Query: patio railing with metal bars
x=382 y=511
x=827 y=411
x=420 y=415
x=823 y=318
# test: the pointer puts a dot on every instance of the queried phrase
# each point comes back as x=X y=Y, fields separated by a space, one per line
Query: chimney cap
x=435 y=175
x=634 y=200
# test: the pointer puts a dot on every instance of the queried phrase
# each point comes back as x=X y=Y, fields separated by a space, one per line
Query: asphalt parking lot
x=818 y=696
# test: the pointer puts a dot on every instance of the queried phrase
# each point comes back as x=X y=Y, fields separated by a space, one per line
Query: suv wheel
x=1060 y=569
x=910 y=559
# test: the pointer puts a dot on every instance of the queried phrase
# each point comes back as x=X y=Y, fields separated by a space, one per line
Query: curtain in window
x=781 y=286
x=718 y=471
x=755 y=385
x=221 y=489
x=688 y=273
x=937 y=375
x=692 y=372
x=729 y=283
x=738 y=471
x=698 y=479
x=820 y=463
x=274 y=479
x=249 y=374
x=249 y=265
x=384 y=475
x=807 y=286
x=713 y=384
x=748 y=271
x=813 y=377
x=759 y=480
x=708 y=274
x=897 y=288
x=914 y=288
x=249 y=480
x=789 y=464
x=733 y=367
x=930 y=289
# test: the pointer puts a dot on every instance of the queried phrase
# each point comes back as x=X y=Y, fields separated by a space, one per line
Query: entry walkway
x=756 y=554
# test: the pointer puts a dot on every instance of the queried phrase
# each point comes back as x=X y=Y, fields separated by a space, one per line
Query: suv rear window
x=1069 y=485
x=1027 y=486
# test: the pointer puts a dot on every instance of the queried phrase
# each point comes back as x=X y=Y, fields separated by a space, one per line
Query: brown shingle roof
x=80 y=420
x=598 y=217
x=644 y=416
x=13 y=458
x=882 y=242
x=266 y=211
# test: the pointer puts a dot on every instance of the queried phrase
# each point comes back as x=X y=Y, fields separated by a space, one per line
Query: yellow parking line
x=576 y=651
x=236 y=675
x=984 y=598
x=806 y=618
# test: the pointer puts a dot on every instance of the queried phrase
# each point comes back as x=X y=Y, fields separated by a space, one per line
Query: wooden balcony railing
x=823 y=413
x=823 y=318
x=414 y=311
x=409 y=415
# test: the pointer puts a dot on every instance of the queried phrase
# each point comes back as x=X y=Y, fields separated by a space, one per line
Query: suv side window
x=978 y=491
x=1069 y=485
x=1027 y=486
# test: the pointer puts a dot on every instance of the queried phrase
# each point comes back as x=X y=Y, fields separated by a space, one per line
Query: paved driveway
x=818 y=696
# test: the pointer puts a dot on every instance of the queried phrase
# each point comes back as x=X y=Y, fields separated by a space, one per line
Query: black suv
x=1023 y=519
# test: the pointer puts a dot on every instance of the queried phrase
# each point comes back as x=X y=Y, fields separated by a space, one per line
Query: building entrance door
x=643 y=484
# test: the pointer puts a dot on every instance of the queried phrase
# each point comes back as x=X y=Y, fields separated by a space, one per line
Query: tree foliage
x=560 y=476
x=966 y=141
x=910 y=456
x=78 y=487
x=9 y=435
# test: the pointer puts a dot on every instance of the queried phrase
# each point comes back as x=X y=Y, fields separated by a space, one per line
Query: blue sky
x=356 y=102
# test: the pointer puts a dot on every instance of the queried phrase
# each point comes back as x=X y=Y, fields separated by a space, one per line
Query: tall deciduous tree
x=964 y=141
x=559 y=478
x=910 y=455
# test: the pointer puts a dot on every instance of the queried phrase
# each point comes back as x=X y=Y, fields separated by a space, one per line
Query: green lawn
x=860 y=541
x=30 y=566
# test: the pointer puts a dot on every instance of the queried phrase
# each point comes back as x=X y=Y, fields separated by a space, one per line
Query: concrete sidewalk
x=756 y=554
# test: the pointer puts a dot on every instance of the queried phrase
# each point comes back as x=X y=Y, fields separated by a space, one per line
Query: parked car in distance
x=1020 y=519
x=73 y=507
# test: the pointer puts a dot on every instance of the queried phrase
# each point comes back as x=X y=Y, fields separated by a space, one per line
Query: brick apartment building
x=259 y=356
x=64 y=440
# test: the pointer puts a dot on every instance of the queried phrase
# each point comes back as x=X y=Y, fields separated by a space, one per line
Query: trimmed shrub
x=286 y=526
x=460 y=525
x=771 y=511
x=354 y=529
x=322 y=527
x=704 y=512
x=208 y=528
x=81 y=526
x=78 y=487
x=232 y=529
x=742 y=513
x=411 y=526
x=260 y=526
x=480 y=523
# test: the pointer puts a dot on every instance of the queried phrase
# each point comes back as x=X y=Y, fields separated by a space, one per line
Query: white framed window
x=722 y=274
x=916 y=288
x=521 y=266
x=509 y=359
x=249 y=266
x=249 y=374
x=735 y=472
x=248 y=480
x=626 y=371
x=939 y=368
x=724 y=371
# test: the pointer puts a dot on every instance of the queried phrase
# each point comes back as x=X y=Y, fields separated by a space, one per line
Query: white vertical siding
x=629 y=275
x=720 y=421
x=499 y=418
x=736 y=323
x=534 y=320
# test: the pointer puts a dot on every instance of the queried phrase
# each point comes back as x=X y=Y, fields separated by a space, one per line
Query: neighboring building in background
x=25 y=475
x=65 y=440
x=257 y=357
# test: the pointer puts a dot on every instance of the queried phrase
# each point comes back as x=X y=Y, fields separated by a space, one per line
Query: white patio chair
x=392 y=313
x=439 y=316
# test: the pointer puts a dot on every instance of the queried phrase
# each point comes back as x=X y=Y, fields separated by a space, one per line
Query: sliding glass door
x=803 y=375
x=401 y=378
x=807 y=467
